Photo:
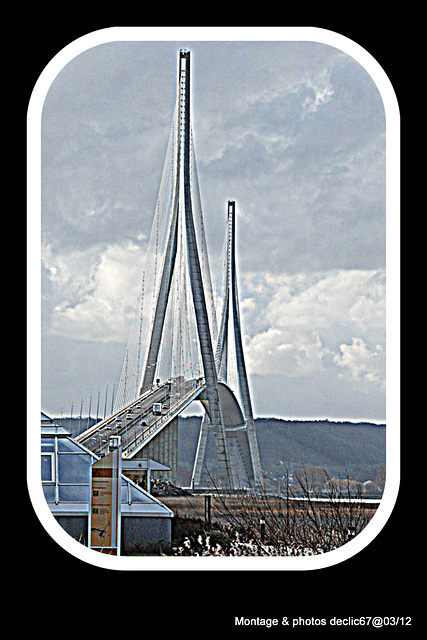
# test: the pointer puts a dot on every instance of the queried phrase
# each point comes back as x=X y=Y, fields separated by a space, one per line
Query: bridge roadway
x=137 y=423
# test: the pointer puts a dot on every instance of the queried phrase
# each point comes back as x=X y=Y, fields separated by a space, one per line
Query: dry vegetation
x=256 y=523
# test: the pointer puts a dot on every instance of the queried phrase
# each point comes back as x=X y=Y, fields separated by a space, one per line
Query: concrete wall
x=145 y=535
x=138 y=534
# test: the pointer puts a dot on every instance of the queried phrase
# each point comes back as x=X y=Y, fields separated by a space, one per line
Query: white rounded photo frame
x=392 y=117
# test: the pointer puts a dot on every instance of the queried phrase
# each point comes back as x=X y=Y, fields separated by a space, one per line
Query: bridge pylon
x=176 y=352
x=232 y=374
x=177 y=264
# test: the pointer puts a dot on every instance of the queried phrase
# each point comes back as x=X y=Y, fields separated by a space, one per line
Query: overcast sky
x=294 y=132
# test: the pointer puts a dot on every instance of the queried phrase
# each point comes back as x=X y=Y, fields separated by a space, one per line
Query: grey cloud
x=294 y=132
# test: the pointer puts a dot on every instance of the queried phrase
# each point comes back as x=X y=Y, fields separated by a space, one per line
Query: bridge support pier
x=164 y=449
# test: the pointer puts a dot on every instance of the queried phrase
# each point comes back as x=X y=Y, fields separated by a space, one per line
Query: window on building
x=48 y=467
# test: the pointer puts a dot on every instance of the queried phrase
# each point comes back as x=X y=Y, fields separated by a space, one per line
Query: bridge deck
x=137 y=423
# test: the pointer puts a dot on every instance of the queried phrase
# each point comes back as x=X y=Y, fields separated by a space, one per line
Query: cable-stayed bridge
x=179 y=350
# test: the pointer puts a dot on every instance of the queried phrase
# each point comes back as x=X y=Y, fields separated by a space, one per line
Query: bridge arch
x=231 y=412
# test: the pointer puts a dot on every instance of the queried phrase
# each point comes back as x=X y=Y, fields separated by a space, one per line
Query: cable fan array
x=179 y=355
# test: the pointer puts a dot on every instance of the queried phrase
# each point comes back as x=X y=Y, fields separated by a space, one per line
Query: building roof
x=135 y=500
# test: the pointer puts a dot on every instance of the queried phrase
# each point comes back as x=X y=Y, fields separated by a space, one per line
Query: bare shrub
x=299 y=521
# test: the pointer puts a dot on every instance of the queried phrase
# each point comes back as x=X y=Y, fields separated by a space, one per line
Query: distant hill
x=342 y=447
